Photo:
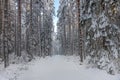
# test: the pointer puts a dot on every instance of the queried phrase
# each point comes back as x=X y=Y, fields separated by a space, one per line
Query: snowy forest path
x=62 y=68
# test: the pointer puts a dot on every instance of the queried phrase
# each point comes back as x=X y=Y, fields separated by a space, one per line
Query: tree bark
x=80 y=32
x=18 y=31
x=5 y=34
x=1 y=28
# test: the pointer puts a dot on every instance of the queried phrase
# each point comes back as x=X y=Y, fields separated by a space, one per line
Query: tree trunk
x=39 y=35
x=80 y=32
x=18 y=31
x=5 y=34
x=1 y=28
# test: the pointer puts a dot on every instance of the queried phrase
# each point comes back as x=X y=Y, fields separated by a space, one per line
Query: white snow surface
x=54 y=68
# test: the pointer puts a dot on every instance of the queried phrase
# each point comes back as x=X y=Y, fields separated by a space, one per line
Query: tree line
x=25 y=29
x=91 y=30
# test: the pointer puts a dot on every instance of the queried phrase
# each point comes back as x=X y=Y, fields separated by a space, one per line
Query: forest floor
x=54 y=68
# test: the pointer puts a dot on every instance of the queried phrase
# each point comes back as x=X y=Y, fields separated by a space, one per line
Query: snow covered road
x=61 y=68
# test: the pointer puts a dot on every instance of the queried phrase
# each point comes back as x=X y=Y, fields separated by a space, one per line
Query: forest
x=86 y=33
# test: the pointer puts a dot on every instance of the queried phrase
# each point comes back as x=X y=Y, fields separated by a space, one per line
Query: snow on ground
x=54 y=68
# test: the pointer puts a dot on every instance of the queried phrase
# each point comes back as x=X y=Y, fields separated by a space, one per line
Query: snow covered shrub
x=111 y=69
x=23 y=59
x=103 y=61
x=117 y=65
x=89 y=62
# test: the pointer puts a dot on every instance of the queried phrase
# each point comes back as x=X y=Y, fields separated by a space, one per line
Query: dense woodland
x=89 y=29
x=25 y=28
